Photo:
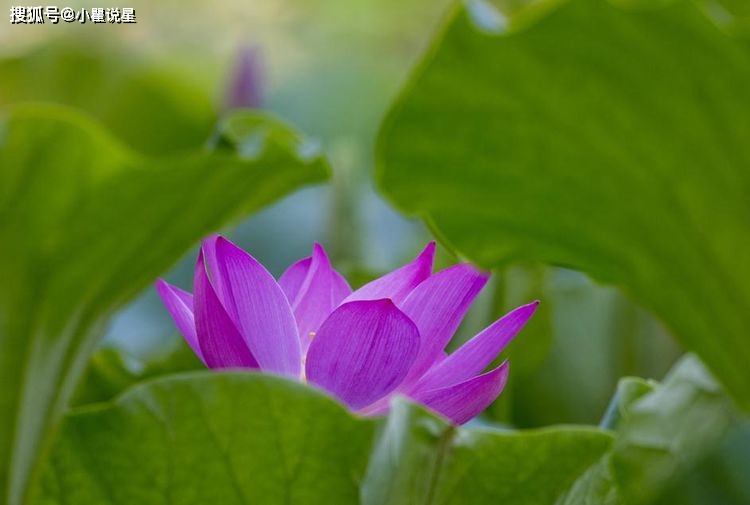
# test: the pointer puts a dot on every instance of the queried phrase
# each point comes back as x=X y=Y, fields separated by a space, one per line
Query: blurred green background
x=331 y=69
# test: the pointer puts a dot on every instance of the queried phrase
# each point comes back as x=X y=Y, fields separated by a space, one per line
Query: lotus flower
x=363 y=347
x=245 y=89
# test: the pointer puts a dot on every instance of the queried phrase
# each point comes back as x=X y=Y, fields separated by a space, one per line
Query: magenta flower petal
x=208 y=252
x=437 y=307
x=257 y=305
x=321 y=291
x=398 y=284
x=461 y=402
x=362 y=351
x=220 y=342
x=472 y=357
x=385 y=339
x=179 y=304
x=291 y=280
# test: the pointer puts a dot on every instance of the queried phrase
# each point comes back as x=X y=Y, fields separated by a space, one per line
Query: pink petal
x=362 y=351
x=291 y=280
x=179 y=304
x=321 y=291
x=256 y=304
x=474 y=356
x=463 y=401
x=437 y=307
x=398 y=284
x=220 y=342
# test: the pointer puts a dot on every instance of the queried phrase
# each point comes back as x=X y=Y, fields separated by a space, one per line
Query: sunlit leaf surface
x=610 y=140
x=248 y=438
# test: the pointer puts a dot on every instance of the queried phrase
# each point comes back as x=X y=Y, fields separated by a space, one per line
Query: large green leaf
x=241 y=438
x=421 y=459
x=85 y=224
x=209 y=438
x=607 y=140
x=663 y=432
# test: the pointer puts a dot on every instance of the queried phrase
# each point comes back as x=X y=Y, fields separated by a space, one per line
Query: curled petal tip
x=426 y=258
x=199 y=259
x=429 y=249
x=463 y=401
x=211 y=239
x=400 y=282
x=221 y=239
x=319 y=250
x=531 y=307
x=473 y=356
